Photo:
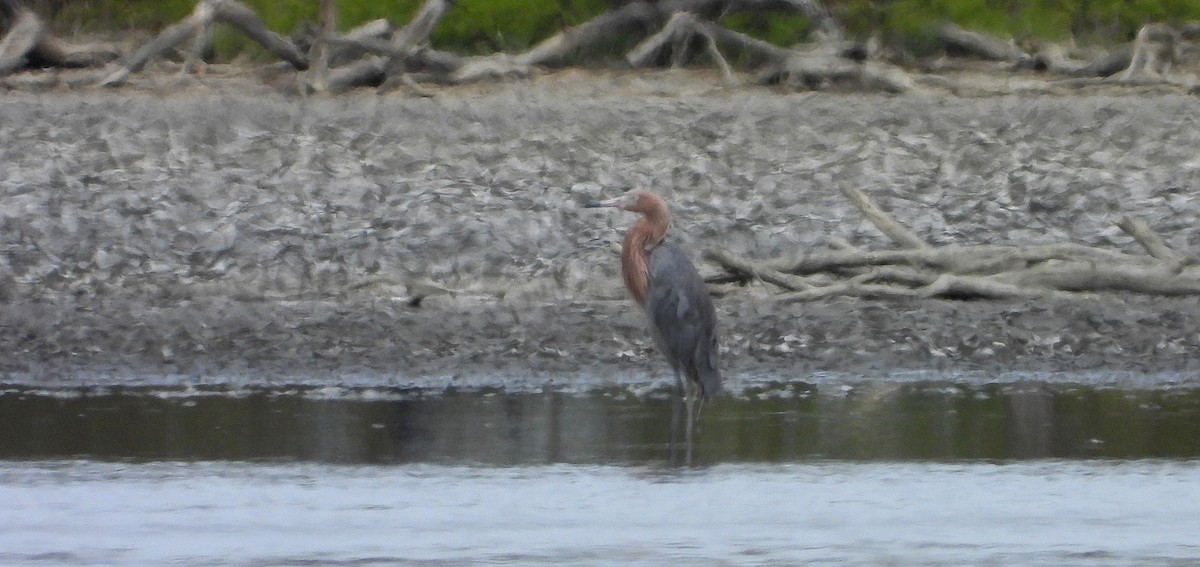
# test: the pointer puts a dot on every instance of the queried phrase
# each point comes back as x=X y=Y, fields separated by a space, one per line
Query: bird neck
x=646 y=233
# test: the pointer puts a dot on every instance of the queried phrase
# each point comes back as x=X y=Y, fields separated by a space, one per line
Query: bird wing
x=682 y=316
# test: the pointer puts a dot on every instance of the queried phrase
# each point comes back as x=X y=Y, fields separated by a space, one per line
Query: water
x=930 y=473
x=780 y=423
x=218 y=513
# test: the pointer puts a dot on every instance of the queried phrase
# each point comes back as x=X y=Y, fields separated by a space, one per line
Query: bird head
x=633 y=201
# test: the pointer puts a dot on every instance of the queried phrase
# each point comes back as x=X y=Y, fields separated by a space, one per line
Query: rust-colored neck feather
x=646 y=233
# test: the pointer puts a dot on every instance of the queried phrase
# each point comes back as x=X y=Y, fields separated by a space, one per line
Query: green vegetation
x=477 y=26
x=779 y=29
x=1086 y=20
x=484 y=26
x=471 y=26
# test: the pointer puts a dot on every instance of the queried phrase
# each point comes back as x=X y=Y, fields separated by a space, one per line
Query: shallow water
x=779 y=423
x=1028 y=513
x=1023 y=473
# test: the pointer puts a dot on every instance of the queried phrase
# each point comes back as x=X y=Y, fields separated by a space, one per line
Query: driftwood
x=813 y=66
x=1055 y=60
x=408 y=50
x=968 y=272
x=343 y=49
x=27 y=40
x=640 y=15
x=1149 y=59
x=25 y=31
x=198 y=26
x=391 y=58
x=979 y=44
x=380 y=54
x=1050 y=58
x=318 y=54
x=884 y=223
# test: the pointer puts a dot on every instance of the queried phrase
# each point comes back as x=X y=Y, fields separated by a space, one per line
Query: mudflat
x=241 y=237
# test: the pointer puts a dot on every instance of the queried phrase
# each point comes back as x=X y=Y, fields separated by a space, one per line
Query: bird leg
x=676 y=403
x=692 y=390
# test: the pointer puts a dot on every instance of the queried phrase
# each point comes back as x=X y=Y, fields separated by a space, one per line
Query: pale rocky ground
x=194 y=232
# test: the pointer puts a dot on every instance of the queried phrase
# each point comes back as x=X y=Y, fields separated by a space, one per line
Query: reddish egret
x=663 y=281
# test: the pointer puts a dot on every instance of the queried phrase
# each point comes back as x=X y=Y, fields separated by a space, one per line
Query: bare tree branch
x=757 y=271
x=979 y=44
x=229 y=12
x=881 y=220
x=405 y=46
x=247 y=21
x=318 y=54
x=983 y=271
x=1151 y=241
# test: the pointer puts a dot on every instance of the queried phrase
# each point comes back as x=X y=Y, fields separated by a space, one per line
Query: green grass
x=480 y=26
x=780 y=29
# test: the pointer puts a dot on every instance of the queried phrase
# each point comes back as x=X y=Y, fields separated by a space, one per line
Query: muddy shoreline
x=208 y=237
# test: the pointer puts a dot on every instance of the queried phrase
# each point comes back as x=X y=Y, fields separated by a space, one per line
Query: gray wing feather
x=682 y=316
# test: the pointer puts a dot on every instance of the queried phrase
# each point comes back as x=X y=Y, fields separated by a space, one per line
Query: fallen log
x=29 y=42
x=169 y=38
x=683 y=25
x=394 y=57
x=813 y=68
x=753 y=270
x=197 y=26
x=1050 y=58
x=1094 y=277
x=958 y=259
x=867 y=268
x=944 y=286
x=968 y=272
x=621 y=22
x=59 y=53
x=244 y=19
x=379 y=55
x=365 y=39
x=979 y=44
x=401 y=55
x=1108 y=64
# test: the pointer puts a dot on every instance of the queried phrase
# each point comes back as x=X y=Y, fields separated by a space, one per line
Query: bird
x=665 y=284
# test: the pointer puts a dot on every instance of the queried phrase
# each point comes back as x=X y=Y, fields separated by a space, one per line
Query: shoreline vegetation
x=800 y=44
x=483 y=26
